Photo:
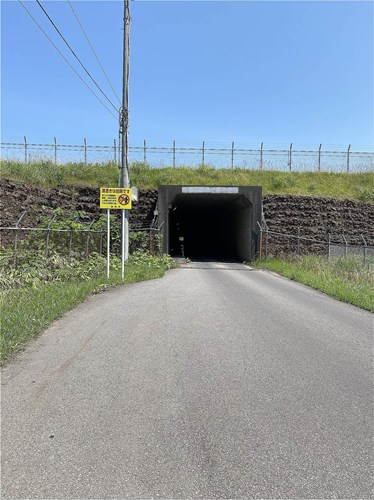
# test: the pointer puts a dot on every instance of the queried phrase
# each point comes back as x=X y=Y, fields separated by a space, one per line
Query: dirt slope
x=315 y=216
x=15 y=198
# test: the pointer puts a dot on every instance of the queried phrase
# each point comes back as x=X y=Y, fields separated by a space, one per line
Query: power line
x=62 y=55
x=93 y=50
x=74 y=54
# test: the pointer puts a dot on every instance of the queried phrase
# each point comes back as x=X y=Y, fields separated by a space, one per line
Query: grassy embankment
x=32 y=299
x=46 y=174
x=346 y=279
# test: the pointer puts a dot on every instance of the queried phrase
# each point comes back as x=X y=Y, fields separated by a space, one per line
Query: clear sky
x=245 y=71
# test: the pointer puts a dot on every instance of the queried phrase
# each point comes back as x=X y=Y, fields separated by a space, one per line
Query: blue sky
x=276 y=72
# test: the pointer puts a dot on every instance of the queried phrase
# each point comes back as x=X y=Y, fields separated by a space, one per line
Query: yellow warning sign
x=115 y=198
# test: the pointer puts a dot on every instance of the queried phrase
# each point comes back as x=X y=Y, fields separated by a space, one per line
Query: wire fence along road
x=231 y=155
x=275 y=243
x=78 y=243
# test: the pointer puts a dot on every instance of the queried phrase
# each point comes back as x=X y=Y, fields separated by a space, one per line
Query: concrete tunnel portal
x=205 y=222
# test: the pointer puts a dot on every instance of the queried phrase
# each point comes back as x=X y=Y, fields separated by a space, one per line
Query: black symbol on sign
x=124 y=199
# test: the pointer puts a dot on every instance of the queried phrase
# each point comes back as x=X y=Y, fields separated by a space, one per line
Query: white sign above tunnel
x=210 y=190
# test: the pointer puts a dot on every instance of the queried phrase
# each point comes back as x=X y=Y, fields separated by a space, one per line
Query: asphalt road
x=216 y=381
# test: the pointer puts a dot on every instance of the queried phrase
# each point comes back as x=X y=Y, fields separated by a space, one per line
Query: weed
x=365 y=194
x=282 y=180
x=346 y=279
x=312 y=187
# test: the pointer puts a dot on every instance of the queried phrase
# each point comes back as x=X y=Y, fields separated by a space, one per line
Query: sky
x=243 y=71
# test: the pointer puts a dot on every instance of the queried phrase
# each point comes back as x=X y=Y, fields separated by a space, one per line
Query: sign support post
x=117 y=199
x=125 y=231
x=108 y=244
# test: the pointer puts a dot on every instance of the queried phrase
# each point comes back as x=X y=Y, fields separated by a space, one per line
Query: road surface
x=216 y=381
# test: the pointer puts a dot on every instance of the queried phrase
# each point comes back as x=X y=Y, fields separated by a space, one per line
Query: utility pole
x=124 y=124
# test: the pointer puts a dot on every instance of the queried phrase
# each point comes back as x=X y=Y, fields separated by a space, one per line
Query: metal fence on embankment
x=319 y=158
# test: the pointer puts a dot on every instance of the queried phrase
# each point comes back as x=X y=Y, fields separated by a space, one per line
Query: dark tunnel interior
x=217 y=226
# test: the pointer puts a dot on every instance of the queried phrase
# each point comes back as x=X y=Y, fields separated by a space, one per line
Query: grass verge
x=26 y=311
x=346 y=279
x=358 y=186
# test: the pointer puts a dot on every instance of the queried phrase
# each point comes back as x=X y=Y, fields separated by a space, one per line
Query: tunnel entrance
x=214 y=227
x=218 y=223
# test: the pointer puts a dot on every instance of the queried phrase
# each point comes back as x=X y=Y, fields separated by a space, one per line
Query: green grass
x=45 y=174
x=25 y=312
x=346 y=279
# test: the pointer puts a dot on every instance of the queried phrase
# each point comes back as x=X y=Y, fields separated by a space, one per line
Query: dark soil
x=16 y=198
x=316 y=217
x=313 y=217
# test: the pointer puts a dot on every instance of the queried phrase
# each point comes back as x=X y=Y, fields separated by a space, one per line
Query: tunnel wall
x=244 y=230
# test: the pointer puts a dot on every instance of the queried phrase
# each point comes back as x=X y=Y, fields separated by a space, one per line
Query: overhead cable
x=93 y=50
x=62 y=55
x=74 y=54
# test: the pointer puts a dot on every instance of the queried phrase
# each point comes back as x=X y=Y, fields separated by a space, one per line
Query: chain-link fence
x=222 y=155
x=71 y=242
x=346 y=250
x=274 y=243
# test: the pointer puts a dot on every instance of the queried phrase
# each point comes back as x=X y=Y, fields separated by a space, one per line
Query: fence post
x=101 y=240
x=151 y=242
x=261 y=153
x=174 y=153
x=266 y=243
x=365 y=248
x=55 y=149
x=203 y=153
x=15 y=256
x=346 y=245
x=298 y=240
x=88 y=239
x=232 y=155
x=328 y=246
x=24 y=138
x=85 y=151
x=348 y=152
x=290 y=158
x=115 y=151
x=145 y=151
x=319 y=158
x=48 y=233
x=70 y=242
